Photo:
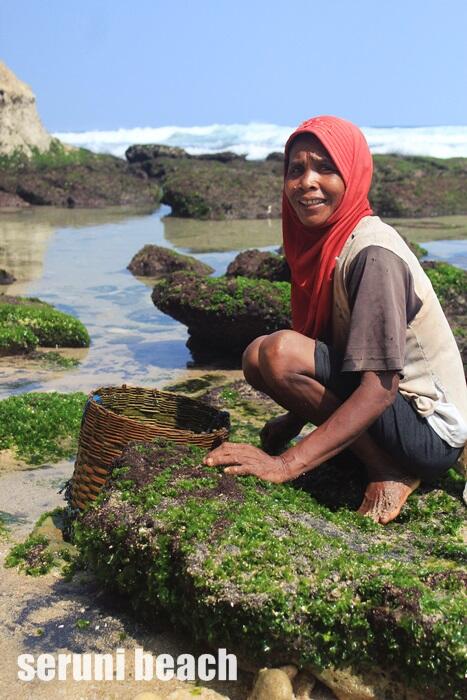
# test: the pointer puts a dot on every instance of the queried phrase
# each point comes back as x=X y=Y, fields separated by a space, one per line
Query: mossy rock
x=277 y=576
x=157 y=261
x=15 y=340
x=404 y=186
x=224 y=315
x=75 y=177
x=258 y=264
x=30 y=322
x=222 y=186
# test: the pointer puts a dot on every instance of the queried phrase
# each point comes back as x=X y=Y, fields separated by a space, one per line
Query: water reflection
x=430 y=229
x=25 y=235
x=77 y=259
x=209 y=236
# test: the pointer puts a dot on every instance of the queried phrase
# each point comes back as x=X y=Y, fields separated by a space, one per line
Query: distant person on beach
x=371 y=359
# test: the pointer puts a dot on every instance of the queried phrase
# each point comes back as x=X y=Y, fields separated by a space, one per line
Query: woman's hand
x=245 y=459
x=278 y=431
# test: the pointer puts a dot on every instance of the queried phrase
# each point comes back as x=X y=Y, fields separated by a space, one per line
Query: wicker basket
x=114 y=416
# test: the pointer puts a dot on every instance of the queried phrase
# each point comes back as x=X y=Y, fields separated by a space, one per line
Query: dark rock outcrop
x=77 y=179
x=156 y=261
x=141 y=153
x=227 y=186
x=214 y=185
x=6 y=277
x=259 y=265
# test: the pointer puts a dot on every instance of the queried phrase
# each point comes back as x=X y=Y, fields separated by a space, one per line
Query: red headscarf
x=311 y=253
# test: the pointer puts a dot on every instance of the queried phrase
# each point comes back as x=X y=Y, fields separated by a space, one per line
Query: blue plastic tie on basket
x=95 y=397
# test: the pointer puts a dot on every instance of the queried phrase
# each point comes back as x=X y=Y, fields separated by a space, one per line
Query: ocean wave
x=257 y=140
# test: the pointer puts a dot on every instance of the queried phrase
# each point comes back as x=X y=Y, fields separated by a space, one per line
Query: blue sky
x=101 y=64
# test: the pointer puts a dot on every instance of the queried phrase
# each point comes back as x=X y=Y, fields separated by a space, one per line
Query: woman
x=371 y=359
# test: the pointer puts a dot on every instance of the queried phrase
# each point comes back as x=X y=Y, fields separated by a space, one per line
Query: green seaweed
x=16 y=339
x=31 y=556
x=51 y=327
x=56 y=156
x=447 y=281
x=230 y=296
x=268 y=570
x=41 y=427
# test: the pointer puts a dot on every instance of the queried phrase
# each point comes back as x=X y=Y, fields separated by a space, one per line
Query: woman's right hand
x=278 y=432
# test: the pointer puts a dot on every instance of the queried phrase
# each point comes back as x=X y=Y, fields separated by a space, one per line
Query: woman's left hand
x=245 y=459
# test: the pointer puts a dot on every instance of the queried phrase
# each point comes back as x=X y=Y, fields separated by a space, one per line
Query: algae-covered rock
x=212 y=186
x=227 y=186
x=26 y=323
x=259 y=265
x=224 y=315
x=157 y=261
x=268 y=571
x=67 y=177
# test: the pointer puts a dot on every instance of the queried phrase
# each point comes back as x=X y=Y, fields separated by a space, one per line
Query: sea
x=257 y=140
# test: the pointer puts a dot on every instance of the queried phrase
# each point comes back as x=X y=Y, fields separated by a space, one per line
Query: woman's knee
x=286 y=352
x=250 y=361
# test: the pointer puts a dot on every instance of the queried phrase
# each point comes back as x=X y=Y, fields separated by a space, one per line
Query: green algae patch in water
x=41 y=427
x=51 y=327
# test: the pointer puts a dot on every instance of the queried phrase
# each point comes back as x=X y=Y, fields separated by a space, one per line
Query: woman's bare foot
x=384 y=499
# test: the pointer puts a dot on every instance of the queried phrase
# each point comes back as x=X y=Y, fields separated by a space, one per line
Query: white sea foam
x=256 y=140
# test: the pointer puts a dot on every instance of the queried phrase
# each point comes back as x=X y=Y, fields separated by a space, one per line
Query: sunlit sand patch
x=10 y=462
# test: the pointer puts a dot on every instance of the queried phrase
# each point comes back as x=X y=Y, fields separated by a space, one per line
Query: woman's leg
x=282 y=365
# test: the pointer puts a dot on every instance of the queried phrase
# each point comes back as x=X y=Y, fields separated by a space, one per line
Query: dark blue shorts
x=400 y=430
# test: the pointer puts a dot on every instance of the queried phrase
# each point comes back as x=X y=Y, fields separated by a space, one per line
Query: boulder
x=220 y=156
x=272 y=684
x=260 y=265
x=156 y=261
x=223 y=315
x=20 y=126
x=140 y=153
x=278 y=577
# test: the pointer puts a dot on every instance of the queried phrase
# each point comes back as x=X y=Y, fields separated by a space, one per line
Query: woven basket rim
x=182 y=431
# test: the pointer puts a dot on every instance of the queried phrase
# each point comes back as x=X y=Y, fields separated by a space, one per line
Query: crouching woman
x=371 y=359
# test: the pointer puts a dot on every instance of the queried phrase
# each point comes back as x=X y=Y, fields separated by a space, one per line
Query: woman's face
x=312 y=183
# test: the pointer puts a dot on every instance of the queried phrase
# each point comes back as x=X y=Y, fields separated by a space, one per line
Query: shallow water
x=77 y=259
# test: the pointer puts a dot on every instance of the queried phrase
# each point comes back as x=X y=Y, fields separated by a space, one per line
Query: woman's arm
x=375 y=393
x=351 y=419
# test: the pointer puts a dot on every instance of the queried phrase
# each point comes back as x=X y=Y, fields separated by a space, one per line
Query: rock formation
x=20 y=126
x=157 y=261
